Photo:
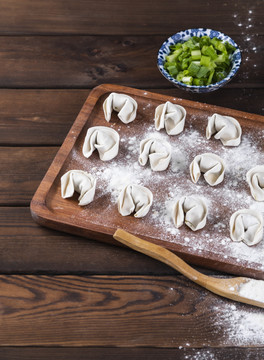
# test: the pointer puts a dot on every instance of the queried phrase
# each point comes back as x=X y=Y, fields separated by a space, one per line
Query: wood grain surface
x=70 y=254
x=139 y=17
x=87 y=61
x=52 y=54
x=22 y=168
x=146 y=353
x=100 y=219
x=25 y=247
x=44 y=117
x=112 y=311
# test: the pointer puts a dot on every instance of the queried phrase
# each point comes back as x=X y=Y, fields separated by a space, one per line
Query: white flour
x=167 y=186
x=201 y=355
x=237 y=324
x=249 y=43
x=241 y=325
x=253 y=289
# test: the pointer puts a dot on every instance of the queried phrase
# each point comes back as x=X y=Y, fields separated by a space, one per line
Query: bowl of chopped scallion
x=199 y=60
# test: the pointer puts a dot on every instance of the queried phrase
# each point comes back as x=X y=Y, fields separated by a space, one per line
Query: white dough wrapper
x=135 y=198
x=157 y=151
x=171 y=117
x=103 y=139
x=255 y=179
x=125 y=105
x=226 y=128
x=81 y=182
x=246 y=225
x=211 y=165
x=192 y=210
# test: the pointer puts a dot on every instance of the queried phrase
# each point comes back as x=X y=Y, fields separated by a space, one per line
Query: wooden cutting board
x=210 y=247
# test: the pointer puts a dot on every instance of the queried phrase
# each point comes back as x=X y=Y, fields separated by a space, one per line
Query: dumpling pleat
x=103 y=139
x=135 y=198
x=81 y=182
x=226 y=129
x=125 y=105
x=192 y=210
x=246 y=225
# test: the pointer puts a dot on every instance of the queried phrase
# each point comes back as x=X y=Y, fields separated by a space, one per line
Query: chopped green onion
x=174 y=55
x=205 y=40
x=172 y=70
x=230 y=48
x=222 y=58
x=202 y=72
x=205 y=61
x=193 y=69
x=200 y=60
x=199 y=82
x=196 y=54
x=209 y=51
x=187 y=80
x=189 y=44
x=185 y=63
x=210 y=77
x=220 y=75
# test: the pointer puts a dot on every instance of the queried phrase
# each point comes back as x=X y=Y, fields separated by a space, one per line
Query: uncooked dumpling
x=211 y=165
x=125 y=105
x=157 y=151
x=246 y=225
x=104 y=139
x=171 y=117
x=226 y=128
x=135 y=198
x=255 y=179
x=191 y=210
x=81 y=182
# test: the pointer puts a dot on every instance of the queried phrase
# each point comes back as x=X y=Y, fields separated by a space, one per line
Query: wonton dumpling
x=246 y=225
x=225 y=128
x=125 y=105
x=255 y=179
x=81 y=182
x=104 y=139
x=134 y=198
x=191 y=210
x=171 y=117
x=158 y=152
x=211 y=165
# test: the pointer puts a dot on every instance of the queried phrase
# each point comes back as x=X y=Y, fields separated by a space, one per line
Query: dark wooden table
x=65 y=297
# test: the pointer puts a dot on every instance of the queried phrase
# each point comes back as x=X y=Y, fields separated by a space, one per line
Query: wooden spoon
x=228 y=288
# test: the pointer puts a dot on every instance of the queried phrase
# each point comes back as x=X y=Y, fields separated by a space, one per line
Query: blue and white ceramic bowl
x=183 y=36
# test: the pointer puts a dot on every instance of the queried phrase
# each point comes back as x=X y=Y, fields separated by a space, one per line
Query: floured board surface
x=208 y=247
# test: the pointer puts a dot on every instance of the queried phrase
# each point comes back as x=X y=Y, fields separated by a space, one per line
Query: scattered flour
x=241 y=325
x=200 y=355
x=213 y=241
x=249 y=43
x=253 y=289
x=238 y=324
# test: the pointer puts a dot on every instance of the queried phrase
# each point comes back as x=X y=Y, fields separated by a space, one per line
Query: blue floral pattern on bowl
x=184 y=36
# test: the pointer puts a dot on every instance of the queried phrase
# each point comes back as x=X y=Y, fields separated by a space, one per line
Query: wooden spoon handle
x=161 y=254
x=222 y=287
